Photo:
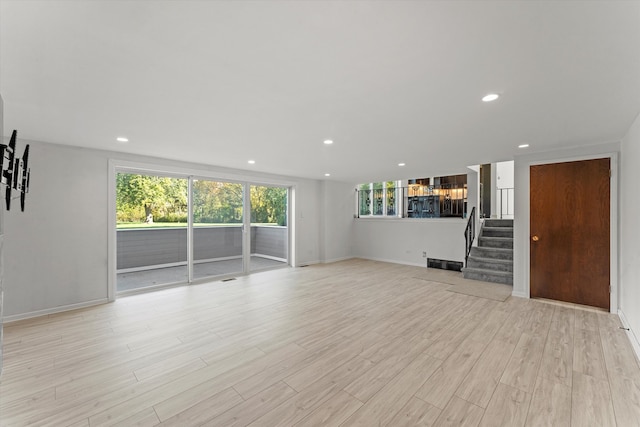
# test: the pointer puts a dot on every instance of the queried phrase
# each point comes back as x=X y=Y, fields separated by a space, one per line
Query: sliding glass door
x=218 y=224
x=269 y=227
x=173 y=230
x=151 y=230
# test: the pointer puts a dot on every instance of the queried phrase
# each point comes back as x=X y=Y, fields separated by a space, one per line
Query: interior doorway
x=570 y=232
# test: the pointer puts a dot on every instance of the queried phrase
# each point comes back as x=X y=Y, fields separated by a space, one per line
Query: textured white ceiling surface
x=222 y=82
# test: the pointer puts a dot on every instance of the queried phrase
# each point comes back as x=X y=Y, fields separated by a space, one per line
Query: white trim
x=198 y=261
x=273 y=258
x=630 y=333
x=392 y=261
x=329 y=261
x=112 y=233
x=54 y=310
x=151 y=267
x=519 y=294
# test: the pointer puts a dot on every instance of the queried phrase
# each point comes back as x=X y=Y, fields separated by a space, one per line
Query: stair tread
x=493 y=249
x=488 y=272
x=490 y=260
x=496 y=238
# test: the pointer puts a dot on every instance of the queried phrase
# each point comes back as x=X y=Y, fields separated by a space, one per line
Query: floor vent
x=444 y=264
x=306 y=265
x=228 y=280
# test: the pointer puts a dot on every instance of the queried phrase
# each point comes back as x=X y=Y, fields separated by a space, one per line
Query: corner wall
x=630 y=231
x=56 y=252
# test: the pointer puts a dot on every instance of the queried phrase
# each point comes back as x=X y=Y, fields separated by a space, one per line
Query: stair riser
x=498 y=223
x=497 y=232
x=490 y=243
x=485 y=265
x=488 y=253
x=487 y=277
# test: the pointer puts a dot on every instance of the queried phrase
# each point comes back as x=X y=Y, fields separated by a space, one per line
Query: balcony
x=156 y=256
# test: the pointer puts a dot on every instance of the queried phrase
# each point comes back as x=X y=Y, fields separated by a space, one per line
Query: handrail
x=469 y=234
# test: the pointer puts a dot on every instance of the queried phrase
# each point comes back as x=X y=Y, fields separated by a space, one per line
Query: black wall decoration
x=15 y=172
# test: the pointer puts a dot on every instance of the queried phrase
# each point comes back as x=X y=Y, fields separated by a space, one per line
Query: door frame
x=522 y=254
x=187 y=172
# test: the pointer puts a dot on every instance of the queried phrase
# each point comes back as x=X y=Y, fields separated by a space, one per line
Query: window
x=379 y=199
x=436 y=197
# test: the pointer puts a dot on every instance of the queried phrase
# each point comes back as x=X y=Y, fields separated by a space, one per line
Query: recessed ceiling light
x=327 y=174
x=490 y=97
x=252 y=162
x=402 y=164
x=122 y=139
x=523 y=145
x=328 y=142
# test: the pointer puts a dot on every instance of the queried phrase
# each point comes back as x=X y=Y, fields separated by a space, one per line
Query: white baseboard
x=329 y=261
x=520 y=294
x=630 y=333
x=395 y=261
x=54 y=310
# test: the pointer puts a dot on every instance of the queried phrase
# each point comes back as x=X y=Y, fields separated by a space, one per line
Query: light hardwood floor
x=344 y=344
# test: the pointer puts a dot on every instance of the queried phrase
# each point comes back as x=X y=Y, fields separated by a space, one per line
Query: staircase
x=492 y=259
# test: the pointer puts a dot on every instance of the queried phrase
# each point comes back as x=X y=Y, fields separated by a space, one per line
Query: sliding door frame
x=194 y=172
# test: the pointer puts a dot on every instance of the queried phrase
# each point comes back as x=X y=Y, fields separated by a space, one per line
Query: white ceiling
x=221 y=82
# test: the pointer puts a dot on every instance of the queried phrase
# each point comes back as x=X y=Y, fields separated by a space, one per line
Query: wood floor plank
x=550 y=404
x=508 y=407
x=625 y=393
x=205 y=410
x=368 y=384
x=479 y=385
x=591 y=402
x=441 y=386
x=588 y=357
x=249 y=410
x=618 y=354
x=381 y=408
x=316 y=370
x=416 y=413
x=522 y=369
x=167 y=402
x=333 y=412
x=586 y=319
x=558 y=356
x=460 y=413
x=306 y=401
x=145 y=418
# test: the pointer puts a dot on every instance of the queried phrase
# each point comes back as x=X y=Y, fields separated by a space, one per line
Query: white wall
x=56 y=252
x=403 y=240
x=521 y=219
x=504 y=174
x=338 y=208
x=630 y=232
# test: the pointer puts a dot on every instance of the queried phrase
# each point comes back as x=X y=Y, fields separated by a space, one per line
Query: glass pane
x=391 y=196
x=217 y=228
x=364 y=202
x=151 y=230
x=378 y=198
x=269 y=229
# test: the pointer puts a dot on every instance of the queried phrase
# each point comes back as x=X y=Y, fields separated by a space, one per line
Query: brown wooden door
x=570 y=232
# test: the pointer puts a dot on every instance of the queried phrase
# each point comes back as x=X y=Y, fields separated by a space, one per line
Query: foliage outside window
x=378 y=199
x=149 y=200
